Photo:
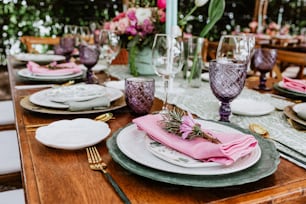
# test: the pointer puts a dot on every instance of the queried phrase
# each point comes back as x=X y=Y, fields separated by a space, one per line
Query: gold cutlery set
x=94 y=159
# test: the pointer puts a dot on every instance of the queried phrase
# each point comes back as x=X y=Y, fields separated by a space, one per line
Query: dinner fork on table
x=96 y=163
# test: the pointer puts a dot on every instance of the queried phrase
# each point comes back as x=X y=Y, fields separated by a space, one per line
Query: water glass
x=139 y=94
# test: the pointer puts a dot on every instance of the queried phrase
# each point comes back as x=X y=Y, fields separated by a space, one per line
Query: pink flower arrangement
x=139 y=22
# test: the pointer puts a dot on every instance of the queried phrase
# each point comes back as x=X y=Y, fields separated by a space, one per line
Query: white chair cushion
x=9 y=152
x=12 y=197
x=7 y=115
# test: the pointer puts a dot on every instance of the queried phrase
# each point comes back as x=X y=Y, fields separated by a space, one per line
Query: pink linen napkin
x=64 y=68
x=295 y=84
x=233 y=145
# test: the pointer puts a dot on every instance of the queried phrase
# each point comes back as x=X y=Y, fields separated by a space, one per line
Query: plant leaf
x=215 y=12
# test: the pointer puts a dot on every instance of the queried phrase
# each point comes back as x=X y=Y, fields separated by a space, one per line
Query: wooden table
x=59 y=176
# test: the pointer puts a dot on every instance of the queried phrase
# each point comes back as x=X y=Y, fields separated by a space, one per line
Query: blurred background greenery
x=48 y=17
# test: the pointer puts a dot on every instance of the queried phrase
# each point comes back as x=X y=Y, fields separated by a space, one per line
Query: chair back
x=29 y=41
x=292 y=58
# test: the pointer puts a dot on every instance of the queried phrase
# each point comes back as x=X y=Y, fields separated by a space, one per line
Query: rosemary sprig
x=178 y=123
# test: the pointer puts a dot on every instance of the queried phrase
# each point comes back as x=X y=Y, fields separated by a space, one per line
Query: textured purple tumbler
x=139 y=94
x=226 y=81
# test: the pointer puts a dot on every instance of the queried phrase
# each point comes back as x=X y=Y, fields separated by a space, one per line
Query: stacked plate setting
x=135 y=151
x=56 y=100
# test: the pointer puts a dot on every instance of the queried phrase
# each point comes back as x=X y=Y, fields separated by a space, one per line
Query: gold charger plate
x=26 y=104
x=288 y=111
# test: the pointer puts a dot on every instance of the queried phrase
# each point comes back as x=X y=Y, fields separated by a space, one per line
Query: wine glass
x=167 y=60
x=110 y=45
x=263 y=60
x=234 y=48
x=65 y=47
x=89 y=55
x=226 y=81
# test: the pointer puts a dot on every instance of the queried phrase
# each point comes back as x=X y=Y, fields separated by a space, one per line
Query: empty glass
x=167 y=60
x=65 y=47
x=89 y=55
x=110 y=45
x=263 y=61
x=234 y=48
x=226 y=81
x=139 y=94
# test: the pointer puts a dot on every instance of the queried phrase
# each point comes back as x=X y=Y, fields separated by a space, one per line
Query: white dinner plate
x=29 y=75
x=115 y=84
x=39 y=58
x=281 y=84
x=72 y=134
x=132 y=143
x=300 y=110
x=56 y=74
x=174 y=157
x=47 y=97
x=250 y=107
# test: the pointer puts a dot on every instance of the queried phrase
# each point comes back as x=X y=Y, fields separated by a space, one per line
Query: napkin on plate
x=63 y=68
x=294 y=84
x=233 y=145
x=93 y=104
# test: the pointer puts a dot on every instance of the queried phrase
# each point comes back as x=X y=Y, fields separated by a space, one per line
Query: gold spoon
x=104 y=117
x=259 y=130
x=256 y=128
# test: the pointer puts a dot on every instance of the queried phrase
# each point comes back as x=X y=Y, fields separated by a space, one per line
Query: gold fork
x=96 y=163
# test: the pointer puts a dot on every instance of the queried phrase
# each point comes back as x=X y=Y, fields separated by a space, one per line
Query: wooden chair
x=212 y=50
x=29 y=41
x=290 y=58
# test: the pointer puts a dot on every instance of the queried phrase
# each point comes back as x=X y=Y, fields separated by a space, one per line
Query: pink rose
x=161 y=4
x=122 y=25
x=162 y=16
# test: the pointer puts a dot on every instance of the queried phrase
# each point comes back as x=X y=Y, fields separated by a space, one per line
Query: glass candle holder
x=139 y=94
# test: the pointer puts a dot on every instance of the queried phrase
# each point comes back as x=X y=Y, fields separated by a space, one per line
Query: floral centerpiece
x=139 y=24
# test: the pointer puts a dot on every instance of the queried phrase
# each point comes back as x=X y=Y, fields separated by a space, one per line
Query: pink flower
x=161 y=4
x=162 y=16
x=120 y=15
x=187 y=125
x=147 y=26
x=122 y=25
x=131 y=30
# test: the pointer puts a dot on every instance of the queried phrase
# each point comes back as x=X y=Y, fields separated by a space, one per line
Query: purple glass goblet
x=263 y=60
x=89 y=55
x=226 y=81
x=139 y=94
x=67 y=44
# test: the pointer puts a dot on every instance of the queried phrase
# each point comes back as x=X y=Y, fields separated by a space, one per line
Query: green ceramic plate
x=266 y=166
x=288 y=93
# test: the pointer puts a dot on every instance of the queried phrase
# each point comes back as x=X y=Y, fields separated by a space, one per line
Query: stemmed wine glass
x=263 y=60
x=65 y=47
x=226 y=81
x=167 y=60
x=110 y=45
x=236 y=48
x=89 y=56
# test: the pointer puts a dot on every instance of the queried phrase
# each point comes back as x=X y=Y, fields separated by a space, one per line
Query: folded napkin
x=294 y=84
x=54 y=68
x=93 y=104
x=233 y=145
